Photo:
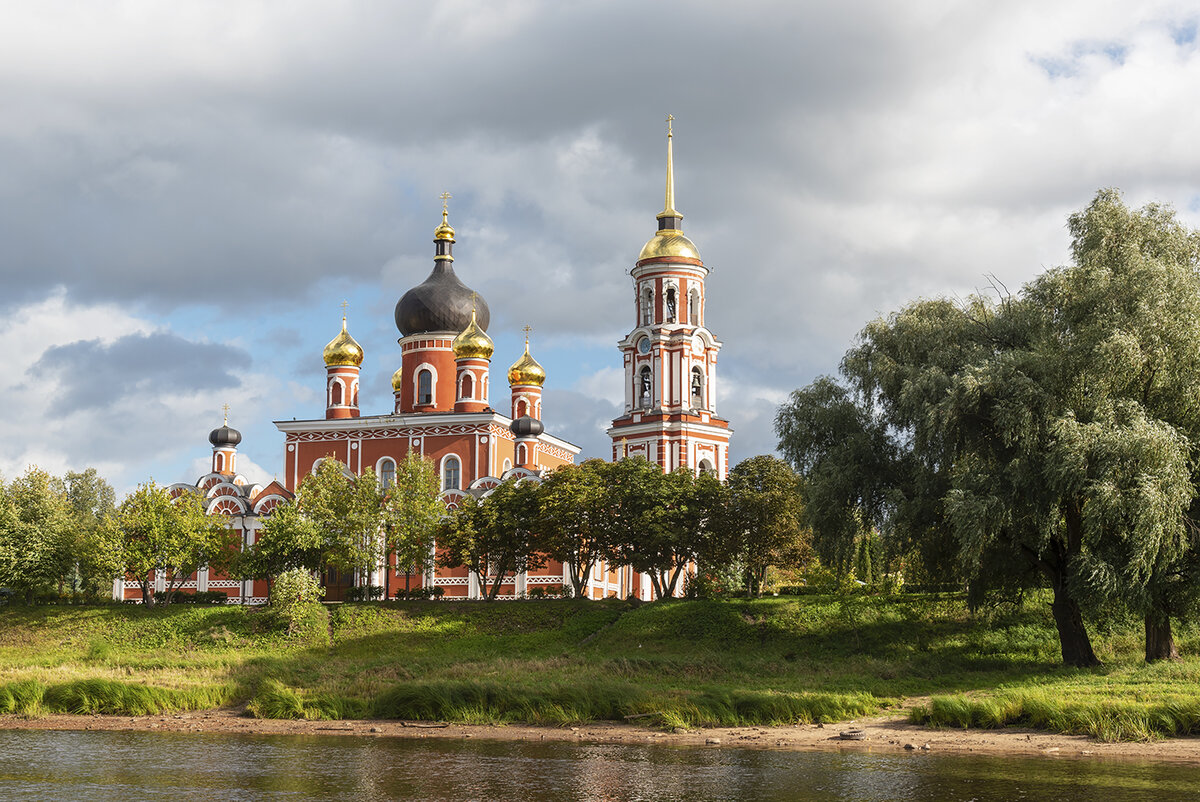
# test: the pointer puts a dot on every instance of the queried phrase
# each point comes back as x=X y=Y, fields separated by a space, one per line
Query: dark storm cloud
x=314 y=149
x=92 y=374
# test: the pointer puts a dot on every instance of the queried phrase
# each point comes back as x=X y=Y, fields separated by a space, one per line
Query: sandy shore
x=880 y=734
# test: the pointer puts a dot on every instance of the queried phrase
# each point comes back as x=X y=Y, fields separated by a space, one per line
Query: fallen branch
x=424 y=726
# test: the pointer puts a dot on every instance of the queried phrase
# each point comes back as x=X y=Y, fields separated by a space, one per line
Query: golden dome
x=473 y=342
x=669 y=242
x=397 y=378
x=526 y=370
x=444 y=231
x=343 y=350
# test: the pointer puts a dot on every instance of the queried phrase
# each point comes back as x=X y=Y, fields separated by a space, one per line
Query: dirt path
x=881 y=734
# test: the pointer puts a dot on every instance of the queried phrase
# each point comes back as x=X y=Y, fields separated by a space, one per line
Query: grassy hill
x=685 y=663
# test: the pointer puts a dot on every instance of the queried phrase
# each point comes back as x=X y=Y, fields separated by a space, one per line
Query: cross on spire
x=445 y=196
x=670 y=119
x=226 y=411
x=344 y=305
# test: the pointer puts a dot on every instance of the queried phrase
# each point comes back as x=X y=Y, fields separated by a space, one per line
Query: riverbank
x=881 y=734
x=679 y=664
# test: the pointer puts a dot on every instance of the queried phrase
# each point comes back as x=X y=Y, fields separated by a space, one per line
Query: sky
x=190 y=190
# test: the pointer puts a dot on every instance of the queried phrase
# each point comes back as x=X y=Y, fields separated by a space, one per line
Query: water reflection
x=139 y=765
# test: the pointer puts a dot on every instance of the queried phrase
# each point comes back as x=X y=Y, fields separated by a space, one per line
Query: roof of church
x=441 y=302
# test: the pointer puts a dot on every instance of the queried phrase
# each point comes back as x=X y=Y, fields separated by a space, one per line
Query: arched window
x=507 y=464
x=521 y=454
x=694 y=307
x=387 y=473
x=644 y=388
x=468 y=386
x=670 y=304
x=697 y=388
x=648 y=307
x=706 y=466
x=451 y=473
x=521 y=409
x=425 y=387
x=336 y=396
x=354 y=394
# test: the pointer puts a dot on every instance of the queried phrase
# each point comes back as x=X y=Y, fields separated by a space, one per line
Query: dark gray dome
x=224 y=436
x=440 y=303
x=526 y=426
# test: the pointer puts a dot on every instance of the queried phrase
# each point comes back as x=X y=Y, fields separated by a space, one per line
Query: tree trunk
x=1072 y=635
x=656 y=584
x=579 y=577
x=1160 y=644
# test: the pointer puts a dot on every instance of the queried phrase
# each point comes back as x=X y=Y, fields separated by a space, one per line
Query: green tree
x=411 y=511
x=35 y=534
x=665 y=523
x=494 y=537
x=153 y=534
x=763 y=517
x=1053 y=429
x=288 y=540
x=91 y=500
x=575 y=519
x=348 y=513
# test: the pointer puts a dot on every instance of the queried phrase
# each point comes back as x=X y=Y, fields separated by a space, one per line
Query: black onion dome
x=526 y=426
x=440 y=303
x=224 y=436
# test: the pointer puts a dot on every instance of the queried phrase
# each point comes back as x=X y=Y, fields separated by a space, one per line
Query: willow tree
x=1055 y=428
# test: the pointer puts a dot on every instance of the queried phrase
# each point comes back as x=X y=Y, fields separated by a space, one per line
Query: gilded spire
x=669 y=202
x=669 y=243
x=225 y=408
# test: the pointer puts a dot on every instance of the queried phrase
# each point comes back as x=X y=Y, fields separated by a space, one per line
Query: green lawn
x=768 y=661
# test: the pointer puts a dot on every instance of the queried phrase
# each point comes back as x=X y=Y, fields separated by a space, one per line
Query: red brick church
x=442 y=410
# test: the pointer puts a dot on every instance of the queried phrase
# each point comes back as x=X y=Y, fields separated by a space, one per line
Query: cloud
x=93 y=374
x=93 y=385
x=261 y=163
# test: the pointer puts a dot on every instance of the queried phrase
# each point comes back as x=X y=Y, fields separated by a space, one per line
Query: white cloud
x=832 y=165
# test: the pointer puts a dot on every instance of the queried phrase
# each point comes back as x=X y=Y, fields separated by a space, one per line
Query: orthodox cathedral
x=442 y=410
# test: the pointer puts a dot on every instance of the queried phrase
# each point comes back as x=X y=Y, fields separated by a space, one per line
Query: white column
x=202 y=580
x=472 y=586
x=119 y=589
x=522 y=580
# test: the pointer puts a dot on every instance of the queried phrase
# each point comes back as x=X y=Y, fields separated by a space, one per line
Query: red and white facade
x=670 y=357
x=244 y=505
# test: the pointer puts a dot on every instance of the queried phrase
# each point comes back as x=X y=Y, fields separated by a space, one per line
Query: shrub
x=295 y=598
x=364 y=593
x=199 y=597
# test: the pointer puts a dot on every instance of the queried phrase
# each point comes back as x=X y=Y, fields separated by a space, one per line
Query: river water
x=199 y=767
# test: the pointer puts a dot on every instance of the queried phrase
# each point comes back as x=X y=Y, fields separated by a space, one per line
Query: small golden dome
x=444 y=231
x=526 y=370
x=343 y=350
x=473 y=342
x=397 y=378
x=669 y=242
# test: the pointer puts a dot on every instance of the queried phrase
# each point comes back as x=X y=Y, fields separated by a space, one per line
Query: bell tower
x=670 y=356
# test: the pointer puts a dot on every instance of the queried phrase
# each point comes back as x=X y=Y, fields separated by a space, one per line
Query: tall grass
x=32 y=698
x=1104 y=720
